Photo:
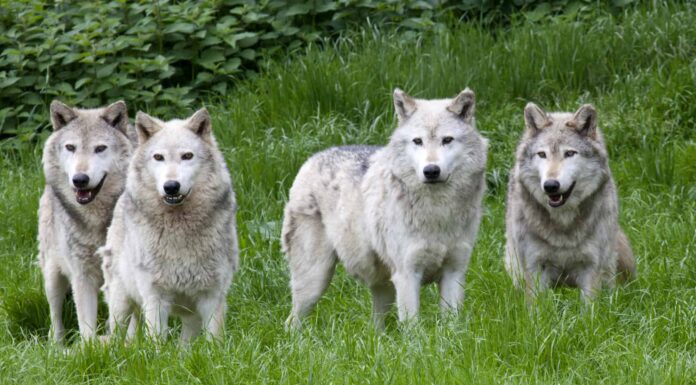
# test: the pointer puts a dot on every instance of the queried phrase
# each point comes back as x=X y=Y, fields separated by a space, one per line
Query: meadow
x=639 y=70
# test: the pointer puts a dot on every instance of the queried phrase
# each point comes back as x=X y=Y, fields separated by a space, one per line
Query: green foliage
x=161 y=55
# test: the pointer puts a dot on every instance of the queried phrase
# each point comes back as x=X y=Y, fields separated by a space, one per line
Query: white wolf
x=172 y=246
x=562 y=210
x=397 y=217
x=85 y=161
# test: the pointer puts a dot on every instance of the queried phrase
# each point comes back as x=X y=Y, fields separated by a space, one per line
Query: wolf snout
x=552 y=186
x=431 y=172
x=80 y=180
x=171 y=187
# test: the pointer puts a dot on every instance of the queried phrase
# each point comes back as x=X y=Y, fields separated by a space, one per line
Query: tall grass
x=638 y=69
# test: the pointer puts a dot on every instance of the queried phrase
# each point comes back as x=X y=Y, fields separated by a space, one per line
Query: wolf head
x=173 y=155
x=434 y=138
x=86 y=147
x=562 y=156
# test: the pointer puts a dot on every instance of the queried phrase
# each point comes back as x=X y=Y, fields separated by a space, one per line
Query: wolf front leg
x=453 y=279
x=590 y=283
x=212 y=313
x=120 y=310
x=56 y=287
x=451 y=290
x=407 y=285
x=156 y=311
x=86 y=295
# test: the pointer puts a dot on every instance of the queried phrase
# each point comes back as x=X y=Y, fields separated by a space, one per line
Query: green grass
x=638 y=69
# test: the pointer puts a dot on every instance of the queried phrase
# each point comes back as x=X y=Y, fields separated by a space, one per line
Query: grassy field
x=638 y=69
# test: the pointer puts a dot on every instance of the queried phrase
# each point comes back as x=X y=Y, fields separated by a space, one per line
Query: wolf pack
x=145 y=213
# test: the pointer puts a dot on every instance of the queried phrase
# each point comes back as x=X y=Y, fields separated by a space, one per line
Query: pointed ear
x=116 y=115
x=405 y=105
x=535 y=118
x=61 y=115
x=146 y=126
x=463 y=105
x=585 y=120
x=200 y=123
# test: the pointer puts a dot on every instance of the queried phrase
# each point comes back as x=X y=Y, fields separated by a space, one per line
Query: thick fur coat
x=562 y=210
x=173 y=251
x=397 y=217
x=85 y=161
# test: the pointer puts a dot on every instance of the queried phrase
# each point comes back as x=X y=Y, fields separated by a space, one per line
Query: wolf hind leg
x=626 y=263
x=312 y=261
x=56 y=286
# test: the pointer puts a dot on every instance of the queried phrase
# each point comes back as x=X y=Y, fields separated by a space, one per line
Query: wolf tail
x=626 y=264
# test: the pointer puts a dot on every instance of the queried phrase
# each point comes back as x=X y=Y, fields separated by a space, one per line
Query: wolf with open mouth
x=85 y=162
x=562 y=210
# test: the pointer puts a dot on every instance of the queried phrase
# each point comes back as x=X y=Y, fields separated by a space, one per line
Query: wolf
x=85 y=161
x=562 y=210
x=172 y=246
x=397 y=216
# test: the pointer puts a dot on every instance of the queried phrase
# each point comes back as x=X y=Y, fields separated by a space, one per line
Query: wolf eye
x=570 y=153
x=70 y=147
x=187 y=156
x=541 y=154
x=99 y=149
x=447 y=140
x=418 y=141
x=158 y=157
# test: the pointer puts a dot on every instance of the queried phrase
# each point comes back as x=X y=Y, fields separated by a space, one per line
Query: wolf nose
x=80 y=180
x=431 y=172
x=551 y=186
x=171 y=187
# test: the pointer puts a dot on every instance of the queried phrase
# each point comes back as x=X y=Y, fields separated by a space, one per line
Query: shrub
x=159 y=55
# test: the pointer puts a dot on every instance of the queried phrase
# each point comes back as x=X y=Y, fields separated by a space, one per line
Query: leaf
x=232 y=65
x=297 y=9
x=210 y=57
x=81 y=82
x=8 y=81
x=181 y=27
x=106 y=70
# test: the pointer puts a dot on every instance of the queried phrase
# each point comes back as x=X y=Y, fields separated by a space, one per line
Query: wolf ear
x=463 y=105
x=405 y=105
x=116 y=116
x=200 y=123
x=535 y=118
x=146 y=126
x=61 y=115
x=585 y=120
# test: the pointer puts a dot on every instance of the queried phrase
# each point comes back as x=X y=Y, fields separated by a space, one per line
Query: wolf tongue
x=84 y=194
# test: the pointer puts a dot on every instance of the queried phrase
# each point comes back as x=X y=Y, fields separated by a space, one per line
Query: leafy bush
x=162 y=54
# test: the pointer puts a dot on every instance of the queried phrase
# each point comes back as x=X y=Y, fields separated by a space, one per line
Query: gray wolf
x=172 y=246
x=562 y=210
x=397 y=217
x=85 y=161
